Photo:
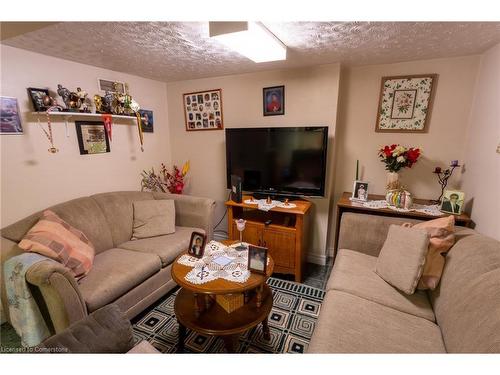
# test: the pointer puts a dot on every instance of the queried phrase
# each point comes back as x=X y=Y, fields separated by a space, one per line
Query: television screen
x=286 y=161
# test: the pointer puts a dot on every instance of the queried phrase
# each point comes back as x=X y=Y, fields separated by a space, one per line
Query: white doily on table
x=218 y=262
x=432 y=210
x=264 y=206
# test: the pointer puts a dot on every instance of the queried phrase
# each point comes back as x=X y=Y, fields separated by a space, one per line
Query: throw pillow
x=442 y=237
x=153 y=218
x=402 y=258
x=56 y=239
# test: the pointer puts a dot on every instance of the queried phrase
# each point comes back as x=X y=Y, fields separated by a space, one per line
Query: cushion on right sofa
x=402 y=258
x=153 y=218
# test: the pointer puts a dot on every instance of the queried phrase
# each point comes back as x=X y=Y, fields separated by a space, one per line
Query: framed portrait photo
x=146 y=120
x=274 y=100
x=197 y=244
x=92 y=137
x=36 y=96
x=10 y=121
x=360 y=191
x=452 y=202
x=257 y=259
x=405 y=103
x=203 y=110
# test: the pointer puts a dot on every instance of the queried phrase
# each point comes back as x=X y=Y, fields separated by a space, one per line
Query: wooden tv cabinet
x=286 y=237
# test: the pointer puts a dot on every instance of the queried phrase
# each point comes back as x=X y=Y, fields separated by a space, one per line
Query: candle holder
x=443 y=177
x=240 y=225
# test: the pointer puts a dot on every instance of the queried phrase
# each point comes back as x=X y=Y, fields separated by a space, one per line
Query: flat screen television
x=278 y=161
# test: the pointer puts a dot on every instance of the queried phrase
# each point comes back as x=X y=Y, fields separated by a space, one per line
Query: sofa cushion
x=402 y=258
x=115 y=272
x=167 y=247
x=354 y=273
x=153 y=218
x=467 y=300
x=350 y=324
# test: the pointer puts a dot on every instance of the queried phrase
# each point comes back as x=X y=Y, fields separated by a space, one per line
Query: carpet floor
x=292 y=320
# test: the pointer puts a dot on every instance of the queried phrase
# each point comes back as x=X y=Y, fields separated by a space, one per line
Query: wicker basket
x=230 y=302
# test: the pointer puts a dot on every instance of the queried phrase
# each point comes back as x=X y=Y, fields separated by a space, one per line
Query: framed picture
x=197 y=244
x=110 y=86
x=257 y=259
x=10 y=121
x=360 y=191
x=274 y=100
x=37 y=96
x=146 y=120
x=453 y=202
x=405 y=103
x=92 y=137
x=203 y=110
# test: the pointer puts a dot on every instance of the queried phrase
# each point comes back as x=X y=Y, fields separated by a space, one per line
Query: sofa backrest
x=467 y=300
x=82 y=213
x=117 y=207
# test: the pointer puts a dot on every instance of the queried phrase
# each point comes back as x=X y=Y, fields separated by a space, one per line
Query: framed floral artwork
x=405 y=103
x=203 y=110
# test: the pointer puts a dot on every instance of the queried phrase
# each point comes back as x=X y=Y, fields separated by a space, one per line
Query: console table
x=346 y=205
x=284 y=231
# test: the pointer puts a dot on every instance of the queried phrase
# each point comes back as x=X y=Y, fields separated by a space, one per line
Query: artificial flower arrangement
x=397 y=157
x=172 y=182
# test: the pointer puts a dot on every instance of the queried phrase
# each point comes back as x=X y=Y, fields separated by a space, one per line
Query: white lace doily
x=264 y=206
x=218 y=262
x=432 y=210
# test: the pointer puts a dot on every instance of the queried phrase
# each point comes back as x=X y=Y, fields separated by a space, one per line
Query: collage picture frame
x=203 y=110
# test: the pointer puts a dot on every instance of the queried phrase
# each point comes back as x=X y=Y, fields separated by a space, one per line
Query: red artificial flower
x=388 y=150
x=413 y=155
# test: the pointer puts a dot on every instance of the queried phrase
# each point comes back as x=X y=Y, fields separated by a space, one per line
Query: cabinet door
x=281 y=245
x=252 y=233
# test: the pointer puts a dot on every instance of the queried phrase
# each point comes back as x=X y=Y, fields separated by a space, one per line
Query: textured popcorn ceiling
x=171 y=51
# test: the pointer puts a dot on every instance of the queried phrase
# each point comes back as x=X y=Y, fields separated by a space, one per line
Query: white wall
x=311 y=96
x=481 y=179
x=31 y=178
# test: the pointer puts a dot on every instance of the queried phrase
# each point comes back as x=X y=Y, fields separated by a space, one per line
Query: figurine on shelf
x=108 y=102
x=84 y=101
x=65 y=94
x=98 y=102
x=49 y=101
x=443 y=177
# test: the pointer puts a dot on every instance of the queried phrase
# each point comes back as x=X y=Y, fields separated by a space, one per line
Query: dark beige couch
x=131 y=274
x=361 y=313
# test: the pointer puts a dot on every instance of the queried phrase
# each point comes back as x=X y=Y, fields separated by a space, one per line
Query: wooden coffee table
x=195 y=306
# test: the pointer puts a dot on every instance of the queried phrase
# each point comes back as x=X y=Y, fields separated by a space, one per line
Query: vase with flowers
x=171 y=181
x=396 y=157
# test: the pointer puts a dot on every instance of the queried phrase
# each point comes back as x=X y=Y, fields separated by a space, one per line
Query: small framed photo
x=110 y=86
x=257 y=259
x=10 y=121
x=92 y=137
x=37 y=96
x=453 y=202
x=274 y=100
x=146 y=120
x=360 y=191
x=197 y=244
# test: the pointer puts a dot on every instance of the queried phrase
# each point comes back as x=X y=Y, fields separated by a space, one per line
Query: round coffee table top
x=219 y=286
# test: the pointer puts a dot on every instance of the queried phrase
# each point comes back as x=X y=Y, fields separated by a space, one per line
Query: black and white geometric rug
x=296 y=308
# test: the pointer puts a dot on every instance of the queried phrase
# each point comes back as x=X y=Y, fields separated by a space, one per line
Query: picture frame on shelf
x=273 y=100
x=452 y=202
x=110 y=85
x=257 y=259
x=10 y=120
x=197 y=244
x=36 y=95
x=360 y=191
x=92 y=137
x=147 y=121
x=203 y=110
x=405 y=103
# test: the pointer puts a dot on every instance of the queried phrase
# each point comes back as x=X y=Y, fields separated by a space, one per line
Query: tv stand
x=286 y=237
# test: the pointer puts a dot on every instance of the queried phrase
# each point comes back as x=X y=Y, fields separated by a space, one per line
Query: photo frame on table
x=36 y=95
x=257 y=259
x=203 y=110
x=273 y=100
x=10 y=120
x=405 y=103
x=147 y=121
x=197 y=244
x=452 y=202
x=360 y=191
x=92 y=137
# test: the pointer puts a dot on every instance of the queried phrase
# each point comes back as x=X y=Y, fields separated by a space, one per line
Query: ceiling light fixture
x=251 y=39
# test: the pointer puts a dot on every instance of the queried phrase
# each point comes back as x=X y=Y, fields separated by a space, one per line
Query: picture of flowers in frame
x=405 y=103
x=203 y=110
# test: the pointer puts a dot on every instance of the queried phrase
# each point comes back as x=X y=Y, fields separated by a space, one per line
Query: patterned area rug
x=296 y=308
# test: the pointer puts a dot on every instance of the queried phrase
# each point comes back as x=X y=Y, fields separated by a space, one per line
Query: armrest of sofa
x=366 y=233
x=8 y=249
x=192 y=211
x=60 y=295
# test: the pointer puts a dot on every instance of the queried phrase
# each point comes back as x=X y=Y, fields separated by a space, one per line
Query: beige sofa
x=131 y=274
x=361 y=313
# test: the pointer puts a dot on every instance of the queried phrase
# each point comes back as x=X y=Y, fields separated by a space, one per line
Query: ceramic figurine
x=65 y=94
x=108 y=102
x=82 y=95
